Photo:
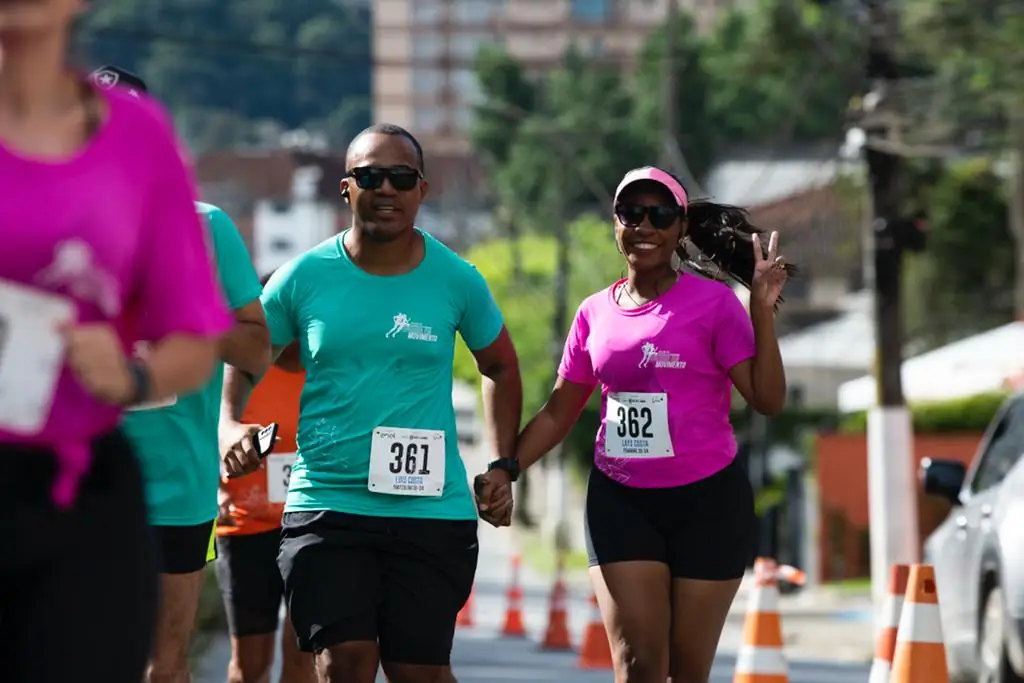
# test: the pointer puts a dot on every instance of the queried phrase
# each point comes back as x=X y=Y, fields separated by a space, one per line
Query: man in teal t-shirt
x=379 y=537
x=176 y=443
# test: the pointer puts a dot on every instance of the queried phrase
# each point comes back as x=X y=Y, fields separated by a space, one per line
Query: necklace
x=624 y=288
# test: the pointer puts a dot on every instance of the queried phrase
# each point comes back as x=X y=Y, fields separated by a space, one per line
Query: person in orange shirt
x=249 y=532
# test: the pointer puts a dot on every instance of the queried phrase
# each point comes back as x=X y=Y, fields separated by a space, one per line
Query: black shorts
x=704 y=530
x=400 y=582
x=78 y=587
x=250 y=582
x=185 y=549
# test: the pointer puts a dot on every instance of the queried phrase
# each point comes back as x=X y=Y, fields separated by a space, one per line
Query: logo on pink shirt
x=660 y=359
x=74 y=270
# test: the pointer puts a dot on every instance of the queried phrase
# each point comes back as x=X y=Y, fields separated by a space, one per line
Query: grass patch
x=539 y=554
x=860 y=584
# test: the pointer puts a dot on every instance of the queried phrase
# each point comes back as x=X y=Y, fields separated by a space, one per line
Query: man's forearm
x=502 y=390
x=247 y=347
x=238 y=386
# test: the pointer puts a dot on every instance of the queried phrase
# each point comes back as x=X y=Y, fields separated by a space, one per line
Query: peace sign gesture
x=769 y=273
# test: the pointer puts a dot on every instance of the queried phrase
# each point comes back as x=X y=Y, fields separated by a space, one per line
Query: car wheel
x=993 y=666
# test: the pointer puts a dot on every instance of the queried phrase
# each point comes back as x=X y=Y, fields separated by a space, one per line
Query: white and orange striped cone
x=513 y=626
x=557 y=637
x=595 y=650
x=464 y=619
x=761 y=659
x=920 y=653
x=885 y=643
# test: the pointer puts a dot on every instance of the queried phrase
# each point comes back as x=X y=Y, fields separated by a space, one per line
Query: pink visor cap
x=658 y=176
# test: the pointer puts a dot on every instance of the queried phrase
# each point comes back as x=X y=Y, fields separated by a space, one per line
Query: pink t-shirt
x=663 y=370
x=114 y=230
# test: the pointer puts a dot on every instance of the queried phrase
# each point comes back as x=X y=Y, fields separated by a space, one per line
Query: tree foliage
x=756 y=80
x=231 y=70
x=528 y=303
x=963 y=282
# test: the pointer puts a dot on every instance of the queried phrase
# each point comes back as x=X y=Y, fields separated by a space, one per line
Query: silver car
x=978 y=553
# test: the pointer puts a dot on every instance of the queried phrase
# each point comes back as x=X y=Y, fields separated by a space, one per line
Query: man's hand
x=494 y=500
x=238 y=448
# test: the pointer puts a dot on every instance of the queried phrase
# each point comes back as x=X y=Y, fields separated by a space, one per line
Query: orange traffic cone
x=465 y=616
x=557 y=635
x=595 y=650
x=885 y=644
x=920 y=654
x=760 y=659
x=513 y=626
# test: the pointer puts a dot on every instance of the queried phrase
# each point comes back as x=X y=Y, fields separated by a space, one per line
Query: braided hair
x=723 y=237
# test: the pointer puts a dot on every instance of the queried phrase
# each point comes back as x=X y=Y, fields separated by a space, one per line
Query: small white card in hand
x=32 y=351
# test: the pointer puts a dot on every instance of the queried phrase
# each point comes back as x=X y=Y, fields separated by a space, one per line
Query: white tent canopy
x=984 y=362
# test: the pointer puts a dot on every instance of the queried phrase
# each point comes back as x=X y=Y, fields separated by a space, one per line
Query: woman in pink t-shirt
x=102 y=246
x=669 y=514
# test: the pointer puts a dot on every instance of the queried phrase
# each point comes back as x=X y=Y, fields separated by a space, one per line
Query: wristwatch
x=141 y=384
x=510 y=465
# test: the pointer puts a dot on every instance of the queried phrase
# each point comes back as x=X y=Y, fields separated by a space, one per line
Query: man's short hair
x=389 y=129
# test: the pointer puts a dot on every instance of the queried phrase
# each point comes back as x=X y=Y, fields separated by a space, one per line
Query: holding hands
x=493 y=492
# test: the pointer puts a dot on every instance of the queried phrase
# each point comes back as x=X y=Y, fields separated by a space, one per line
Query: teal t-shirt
x=378 y=355
x=177 y=444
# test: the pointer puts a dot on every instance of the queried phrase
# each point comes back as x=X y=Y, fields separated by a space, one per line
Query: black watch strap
x=510 y=465
x=141 y=384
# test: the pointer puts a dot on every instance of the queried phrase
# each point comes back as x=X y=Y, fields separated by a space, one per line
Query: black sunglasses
x=661 y=217
x=402 y=178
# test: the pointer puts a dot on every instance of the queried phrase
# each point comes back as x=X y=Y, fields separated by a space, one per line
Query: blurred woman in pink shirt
x=101 y=246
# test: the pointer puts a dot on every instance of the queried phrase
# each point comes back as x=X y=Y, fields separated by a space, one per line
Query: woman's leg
x=708 y=555
x=631 y=578
x=635 y=606
x=699 y=610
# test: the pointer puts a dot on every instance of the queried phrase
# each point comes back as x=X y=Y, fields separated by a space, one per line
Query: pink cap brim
x=658 y=176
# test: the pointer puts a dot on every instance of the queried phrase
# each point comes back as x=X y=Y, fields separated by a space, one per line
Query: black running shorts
x=185 y=549
x=400 y=582
x=78 y=587
x=703 y=530
x=250 y=582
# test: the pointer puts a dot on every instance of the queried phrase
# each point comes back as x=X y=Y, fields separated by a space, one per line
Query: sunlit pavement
x=481 y=656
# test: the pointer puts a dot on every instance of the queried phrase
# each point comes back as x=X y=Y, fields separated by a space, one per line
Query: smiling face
x=648 y=227
x=385 y=187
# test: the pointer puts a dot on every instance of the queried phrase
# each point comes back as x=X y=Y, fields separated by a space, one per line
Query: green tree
x=975 y=47
x=963 y=282
x=568 y=153
x=782 y=73
x=508 y=99
x=528 y=305
x=230 y=68
x=695 y=130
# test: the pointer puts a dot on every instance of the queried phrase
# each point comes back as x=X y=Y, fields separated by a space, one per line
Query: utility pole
x=891 y=470
x=557 y=481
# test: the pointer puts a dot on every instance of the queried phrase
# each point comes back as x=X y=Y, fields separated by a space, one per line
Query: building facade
x=424 y=50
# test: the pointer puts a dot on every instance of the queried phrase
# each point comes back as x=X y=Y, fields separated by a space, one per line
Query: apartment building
x=424 y=50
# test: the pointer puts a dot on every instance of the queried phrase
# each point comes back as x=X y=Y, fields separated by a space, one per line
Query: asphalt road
x=481 y=656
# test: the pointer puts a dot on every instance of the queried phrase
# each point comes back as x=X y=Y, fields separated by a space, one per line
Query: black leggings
x=704 y=530
x=78 y=587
